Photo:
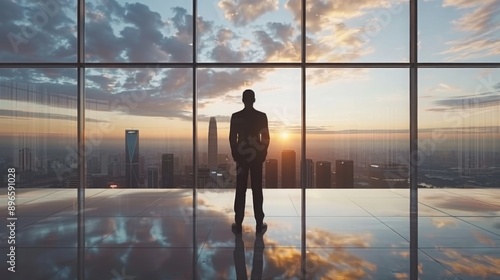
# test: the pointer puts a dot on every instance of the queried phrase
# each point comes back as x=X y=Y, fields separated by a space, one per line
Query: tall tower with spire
x=212 y=144
x=132 y=158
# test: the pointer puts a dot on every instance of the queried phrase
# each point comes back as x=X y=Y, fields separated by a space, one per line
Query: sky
x=340 y=103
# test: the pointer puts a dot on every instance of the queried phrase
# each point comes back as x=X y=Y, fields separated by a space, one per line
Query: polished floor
x=349 y=234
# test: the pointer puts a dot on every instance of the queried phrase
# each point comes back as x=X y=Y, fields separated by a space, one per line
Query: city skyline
x=359 y=113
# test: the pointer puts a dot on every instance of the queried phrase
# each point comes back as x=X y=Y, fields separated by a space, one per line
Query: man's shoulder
x=236 y=114
x=261 y=113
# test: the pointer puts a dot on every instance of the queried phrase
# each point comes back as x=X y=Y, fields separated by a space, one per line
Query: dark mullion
x=413 y=157
x=303 y=144
x=195 y=140
x=81 y=138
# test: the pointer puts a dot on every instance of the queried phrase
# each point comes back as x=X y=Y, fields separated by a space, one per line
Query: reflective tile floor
x=349 y=234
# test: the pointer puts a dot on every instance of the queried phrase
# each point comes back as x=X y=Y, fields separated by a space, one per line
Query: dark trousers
x=242 y=170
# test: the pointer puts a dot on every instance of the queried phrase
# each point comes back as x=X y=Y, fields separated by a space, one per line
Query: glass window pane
x=142 y=31
x=459 y=31
x=357 y=122
x=277 y=94
x=459 y=120
x=139 y=147
x=459 y=169
x=38 y=163
x=357 y=172
x=248 y=31
x=356 y=31
x=38 y=31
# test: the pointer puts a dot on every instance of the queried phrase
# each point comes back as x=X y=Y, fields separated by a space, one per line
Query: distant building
x=167 y=170
x=25 y=160
x=212 y=144
x=344 y=174
x=323 y=174
x=152 y=178
x=204 y=179
x=389 y=176
x=309 y=173
x=271 y=173
x=132 y=158
x=288 y=173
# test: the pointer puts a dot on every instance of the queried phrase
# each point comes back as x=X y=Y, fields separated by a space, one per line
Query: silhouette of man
x=249 y=140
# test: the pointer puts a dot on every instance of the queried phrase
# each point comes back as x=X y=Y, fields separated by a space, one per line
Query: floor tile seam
x=103 y=237
x=95 y=200
x=439 y=263
x=393 y=230
x=401 y=195
x=487 y=230
x=293 y=204
x=432 y=207
x=199 y=249
x=390 y=228
x=29 y=224
x=364 y=209
x=150 y=205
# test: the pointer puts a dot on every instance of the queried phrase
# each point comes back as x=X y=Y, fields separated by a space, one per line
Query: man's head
x=248 y=97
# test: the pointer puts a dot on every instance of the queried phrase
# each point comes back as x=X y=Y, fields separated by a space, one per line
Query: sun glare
x=284 y=135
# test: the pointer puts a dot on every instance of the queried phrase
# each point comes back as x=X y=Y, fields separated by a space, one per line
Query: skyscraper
x=271 y=169
x=167 y=170
x=212 y=144
x=132 y=158
x=25 y=160
x=344 y=174
x=288 y=178
x=309 y=173
x=323 y=174
x=152 y=177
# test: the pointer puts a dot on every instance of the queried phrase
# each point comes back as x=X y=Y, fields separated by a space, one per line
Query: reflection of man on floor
x=249 y=140
x=240 y=265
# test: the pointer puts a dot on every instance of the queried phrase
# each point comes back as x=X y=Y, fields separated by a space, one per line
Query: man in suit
x=249 y=140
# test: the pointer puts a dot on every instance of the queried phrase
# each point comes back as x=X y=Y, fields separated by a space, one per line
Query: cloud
x=322 y=14
x=483 y=266
x=466 y=204
x=443 y=88
x=242 y=12
x=332 y=34
x=16 y=114
x=133 y=32
x=480 y=24
x=275 y=50
x=36 y=32
x=470 y=102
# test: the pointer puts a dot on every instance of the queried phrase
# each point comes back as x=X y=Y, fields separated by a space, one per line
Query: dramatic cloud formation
x=480 y=25
x=242 y=12
x=38 y=31
x=471 y=265
x=133 y=32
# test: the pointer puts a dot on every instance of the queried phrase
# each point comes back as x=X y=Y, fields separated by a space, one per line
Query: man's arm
x=264 y=135
x=233 y=138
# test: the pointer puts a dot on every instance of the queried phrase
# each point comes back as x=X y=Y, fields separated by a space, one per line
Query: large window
x=116 y=119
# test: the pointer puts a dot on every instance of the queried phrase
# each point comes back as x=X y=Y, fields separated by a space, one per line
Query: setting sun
x=284 y=135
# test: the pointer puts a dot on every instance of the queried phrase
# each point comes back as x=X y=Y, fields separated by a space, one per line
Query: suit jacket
x=249 y=136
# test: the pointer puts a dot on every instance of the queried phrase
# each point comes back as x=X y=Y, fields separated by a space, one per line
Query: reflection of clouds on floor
x=471 y=264
x=443 y=223
x=334 y=262
x=151 y=235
